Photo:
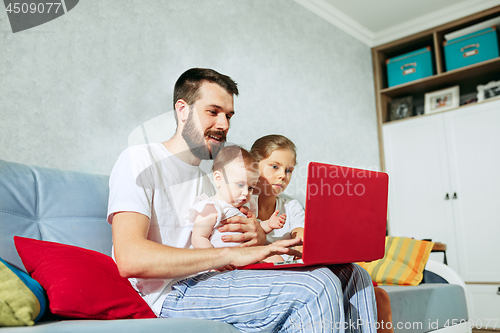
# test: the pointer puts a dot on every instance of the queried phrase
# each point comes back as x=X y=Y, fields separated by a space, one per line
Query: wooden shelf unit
x=466 y=77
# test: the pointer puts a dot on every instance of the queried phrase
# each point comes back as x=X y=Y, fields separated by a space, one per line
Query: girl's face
x=276 y=172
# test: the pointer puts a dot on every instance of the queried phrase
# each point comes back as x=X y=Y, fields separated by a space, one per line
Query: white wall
x=73 y=89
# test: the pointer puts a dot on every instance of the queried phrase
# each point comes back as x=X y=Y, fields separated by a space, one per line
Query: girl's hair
x=262 y=148
x=228 y=153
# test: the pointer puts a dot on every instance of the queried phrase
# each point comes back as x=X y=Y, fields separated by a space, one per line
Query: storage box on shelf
x=467 y=77
x=410 y=67
x=472 y=48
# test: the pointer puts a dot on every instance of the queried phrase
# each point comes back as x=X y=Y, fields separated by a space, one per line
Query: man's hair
x=228 y=153
x=188 y=84
x=263 y=147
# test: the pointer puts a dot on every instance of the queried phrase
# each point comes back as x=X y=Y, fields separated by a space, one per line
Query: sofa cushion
x=403 y=263
x=81 y=283
x=427 y=307
x=157 y=325
x=22 y=300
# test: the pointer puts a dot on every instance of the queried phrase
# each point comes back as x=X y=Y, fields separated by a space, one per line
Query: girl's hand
x=296 y=251
x=225 y=268
x=298 y=233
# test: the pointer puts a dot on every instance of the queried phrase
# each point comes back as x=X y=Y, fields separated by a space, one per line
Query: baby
x=235 y=175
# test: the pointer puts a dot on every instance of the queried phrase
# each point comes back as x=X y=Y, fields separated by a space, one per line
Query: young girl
x=235 y=176
x=276 y=155
x=277 y=158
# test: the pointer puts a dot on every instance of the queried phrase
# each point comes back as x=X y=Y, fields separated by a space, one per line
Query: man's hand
x=250 y=229
x=249 y=255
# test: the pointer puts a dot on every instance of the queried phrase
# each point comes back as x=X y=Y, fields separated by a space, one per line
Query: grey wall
x=73 y=89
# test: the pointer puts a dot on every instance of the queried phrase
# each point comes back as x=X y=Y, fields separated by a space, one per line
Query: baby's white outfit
x=224 y=211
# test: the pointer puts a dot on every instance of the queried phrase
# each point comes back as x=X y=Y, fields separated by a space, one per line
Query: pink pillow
x=80 y=283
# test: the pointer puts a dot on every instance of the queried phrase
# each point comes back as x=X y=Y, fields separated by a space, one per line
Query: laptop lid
x=345 y=216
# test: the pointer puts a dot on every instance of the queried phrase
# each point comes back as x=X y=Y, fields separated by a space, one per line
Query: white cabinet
x=484 y=305
x=474 y=155
x=417 y=164
x=444 y=172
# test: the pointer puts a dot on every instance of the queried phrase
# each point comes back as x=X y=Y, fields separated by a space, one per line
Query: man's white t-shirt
x=149 y=180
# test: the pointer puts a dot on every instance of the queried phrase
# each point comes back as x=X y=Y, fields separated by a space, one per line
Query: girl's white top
x=294 y=219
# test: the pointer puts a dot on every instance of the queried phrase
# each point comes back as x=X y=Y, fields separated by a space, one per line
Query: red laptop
x=345 y=217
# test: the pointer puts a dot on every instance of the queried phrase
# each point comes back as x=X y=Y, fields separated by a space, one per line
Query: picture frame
x=401 y=108
x=442 y=100
x=490 y=90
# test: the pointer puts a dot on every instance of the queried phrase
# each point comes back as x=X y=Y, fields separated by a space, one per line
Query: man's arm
x=138 y=257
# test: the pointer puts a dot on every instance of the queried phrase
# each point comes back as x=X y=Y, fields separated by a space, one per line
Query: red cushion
x=81 y=283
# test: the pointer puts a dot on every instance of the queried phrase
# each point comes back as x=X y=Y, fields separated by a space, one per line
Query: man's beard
x=196 y=141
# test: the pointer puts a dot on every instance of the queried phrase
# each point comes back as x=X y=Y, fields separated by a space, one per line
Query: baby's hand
x=245 y=210
x=277 y=222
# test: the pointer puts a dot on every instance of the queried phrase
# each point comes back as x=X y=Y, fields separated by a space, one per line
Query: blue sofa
x=70 y=208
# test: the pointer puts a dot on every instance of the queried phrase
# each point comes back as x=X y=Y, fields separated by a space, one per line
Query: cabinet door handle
x=447 y=197
x=455 y=195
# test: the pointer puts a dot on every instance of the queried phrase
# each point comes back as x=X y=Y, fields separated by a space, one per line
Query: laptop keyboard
x=289 y=262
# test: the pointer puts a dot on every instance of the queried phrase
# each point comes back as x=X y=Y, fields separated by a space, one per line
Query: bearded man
x=152 y=187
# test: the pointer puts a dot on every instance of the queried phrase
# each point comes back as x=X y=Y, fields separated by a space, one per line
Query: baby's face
x=237 y=183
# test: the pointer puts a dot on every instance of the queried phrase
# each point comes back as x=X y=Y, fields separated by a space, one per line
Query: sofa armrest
x=445 y=272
